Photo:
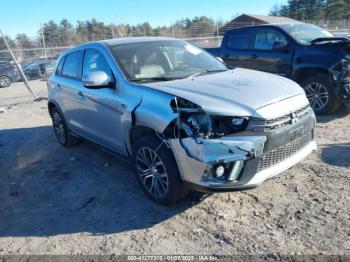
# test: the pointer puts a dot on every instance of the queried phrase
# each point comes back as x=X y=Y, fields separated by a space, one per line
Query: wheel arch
x=302 y=73
x=51 y=105
x=151 y=116
x=140 y=131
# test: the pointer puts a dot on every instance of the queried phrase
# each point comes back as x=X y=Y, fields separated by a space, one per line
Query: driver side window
x=265 y=38
x=95 y=61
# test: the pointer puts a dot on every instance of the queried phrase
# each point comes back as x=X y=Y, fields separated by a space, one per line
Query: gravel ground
x=17 y=93
x=83 y=200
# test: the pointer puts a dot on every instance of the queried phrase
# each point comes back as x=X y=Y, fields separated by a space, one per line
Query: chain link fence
x=36 y=63
x=333 y=26
x=14 y=88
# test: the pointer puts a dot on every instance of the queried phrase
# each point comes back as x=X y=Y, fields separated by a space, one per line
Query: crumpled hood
x=235 y=92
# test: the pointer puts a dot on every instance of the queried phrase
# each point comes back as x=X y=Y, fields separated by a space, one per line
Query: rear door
x=68 y=82
x=236 y=48
x=265 y=57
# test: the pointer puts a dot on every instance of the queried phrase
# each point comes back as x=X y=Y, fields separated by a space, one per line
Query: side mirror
x=220 y=59
x=280 y=46
x=96 y=79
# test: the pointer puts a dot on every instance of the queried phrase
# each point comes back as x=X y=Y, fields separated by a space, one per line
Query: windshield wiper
x=165 y=78
x=158 y=78
x=204 y=72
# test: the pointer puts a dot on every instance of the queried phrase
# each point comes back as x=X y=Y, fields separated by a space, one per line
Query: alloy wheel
x=152 y=172
x=4 y=81
x=59 y=127
x=318 y=96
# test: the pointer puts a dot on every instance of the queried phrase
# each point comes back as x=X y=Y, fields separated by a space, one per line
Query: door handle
x=254 y=56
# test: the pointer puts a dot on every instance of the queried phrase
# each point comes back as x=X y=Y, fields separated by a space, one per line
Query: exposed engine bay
x=209 y=143
x=193 y=121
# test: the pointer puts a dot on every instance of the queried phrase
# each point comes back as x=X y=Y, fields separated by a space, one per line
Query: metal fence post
x=24 y=78
x=43 y=39
x=173 y=30
x=112 y=30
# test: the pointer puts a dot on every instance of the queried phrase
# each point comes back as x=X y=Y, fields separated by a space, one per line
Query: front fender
x=315 y=60
x=154 y=111
x=301 y=72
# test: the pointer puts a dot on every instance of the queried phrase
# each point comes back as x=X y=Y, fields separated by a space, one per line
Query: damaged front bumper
x=242 y=159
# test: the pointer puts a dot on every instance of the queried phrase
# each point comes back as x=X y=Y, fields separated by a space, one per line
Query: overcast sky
x=25 y=16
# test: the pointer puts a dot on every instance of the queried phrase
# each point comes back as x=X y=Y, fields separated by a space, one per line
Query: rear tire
x=157 y=172
x=63 y=135
x=321 y=93
x=5 y=81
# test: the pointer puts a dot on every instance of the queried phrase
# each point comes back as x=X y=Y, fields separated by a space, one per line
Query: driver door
x=101 y=109
x=264 y=57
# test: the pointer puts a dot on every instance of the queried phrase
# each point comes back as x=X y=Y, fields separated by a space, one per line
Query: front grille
x=281 y=153
x=280 y=122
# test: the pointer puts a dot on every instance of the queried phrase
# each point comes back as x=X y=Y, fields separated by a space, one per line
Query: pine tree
x=309 y=10
x=335 y=9
x=66 y=32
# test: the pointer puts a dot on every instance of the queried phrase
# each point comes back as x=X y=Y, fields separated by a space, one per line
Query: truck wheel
x=64 y=137
x=5 y=81
x=157 y=171
x=320 y=91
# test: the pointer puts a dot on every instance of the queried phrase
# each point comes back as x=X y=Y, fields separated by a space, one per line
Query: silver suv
x=183 y=118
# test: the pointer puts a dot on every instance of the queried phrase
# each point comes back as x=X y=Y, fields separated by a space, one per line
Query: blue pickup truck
x=311 y=56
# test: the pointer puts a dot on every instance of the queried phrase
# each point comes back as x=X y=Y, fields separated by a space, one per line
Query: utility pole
x=217 y=33
x=112 y=29
x=24 y=78
x=43 y=39
x=217 y=28
x=173 y=30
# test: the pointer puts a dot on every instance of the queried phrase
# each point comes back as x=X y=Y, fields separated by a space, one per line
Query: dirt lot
x=85 y=201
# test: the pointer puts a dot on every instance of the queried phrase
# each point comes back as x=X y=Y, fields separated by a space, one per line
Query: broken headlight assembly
x=193 y=121
x=342 y=70
x=345 y=62
x=199 y=131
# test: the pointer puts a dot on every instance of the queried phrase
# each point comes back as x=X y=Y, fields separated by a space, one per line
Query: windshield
x=164 y=60
x=305 y=33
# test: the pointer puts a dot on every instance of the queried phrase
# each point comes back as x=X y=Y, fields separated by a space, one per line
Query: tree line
x=314 y=10
x=65 y=33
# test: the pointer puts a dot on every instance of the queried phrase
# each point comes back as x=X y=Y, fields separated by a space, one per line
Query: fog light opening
x=236 y=170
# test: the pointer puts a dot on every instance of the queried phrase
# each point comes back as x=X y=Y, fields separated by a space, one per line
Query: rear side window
x=60 y=66
x=238 y=39
x=73 y=65
x=265 y=38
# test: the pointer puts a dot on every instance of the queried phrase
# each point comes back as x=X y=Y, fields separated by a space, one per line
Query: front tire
x=157 y=171
x=5 y=81
x=321 y=93
x=64 y=137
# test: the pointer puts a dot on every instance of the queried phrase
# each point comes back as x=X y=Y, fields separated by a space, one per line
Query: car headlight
x=229 y=124
x=194 y=121
x=345 y=62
